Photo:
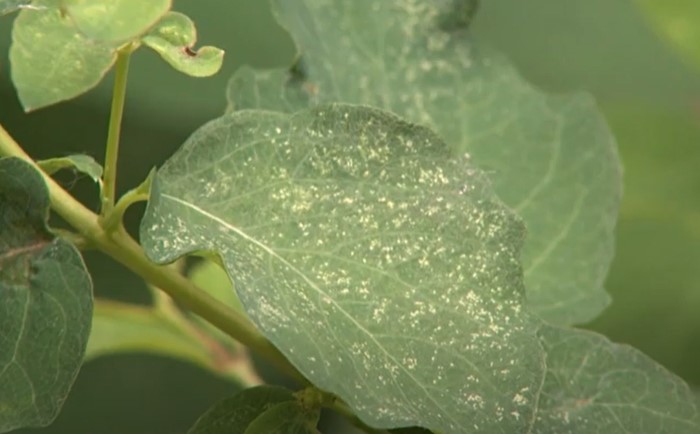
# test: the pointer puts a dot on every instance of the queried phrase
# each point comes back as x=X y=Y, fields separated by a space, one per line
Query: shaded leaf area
x=552 y=159
x=285 y=418
x=678 y=22
x=174 y=38
x=46 y=305
x=78 y=162
x=382 y=266
x=234 y=415
x=51 y=61
x=114 y=20
x=594 y=386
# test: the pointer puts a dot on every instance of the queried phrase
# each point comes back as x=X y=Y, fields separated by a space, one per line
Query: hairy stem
x=109 y=187
x=120 y=246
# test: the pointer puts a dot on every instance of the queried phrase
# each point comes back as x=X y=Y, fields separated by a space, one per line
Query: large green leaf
x=552 y=159
x=51 y=61
x=379 y=263
x=595 y=386
x=234 y=414
x=678 y=21
x=115 y=20
x=46 y=303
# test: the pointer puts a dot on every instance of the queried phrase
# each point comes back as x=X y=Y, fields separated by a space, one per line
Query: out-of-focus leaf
x=211 y=277
x=46 y=303
x=381 y=265
x=115 y=20
x=80 y=162
x=127 y=328
x=119 y=327
x=677 y=21
x=655 y=278
x=284 y=418
x=234 y=414
x=174 y=38
x=7 y=6
x=595 y=386
x=51 y=61
x=552 y=159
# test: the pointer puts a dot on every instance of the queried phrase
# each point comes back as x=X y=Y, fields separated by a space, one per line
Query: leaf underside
x=552 y=159
x=46 y=305
x=595 y=386
x=375 y=260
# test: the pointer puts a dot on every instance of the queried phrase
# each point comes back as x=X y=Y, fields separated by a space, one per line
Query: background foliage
x=646 y=86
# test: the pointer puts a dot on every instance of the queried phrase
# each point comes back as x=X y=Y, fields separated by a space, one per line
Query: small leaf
x=82 y=163
x=174 y=38
x=284 y=418
x=234 y=414
x=115 y=20
x=595 y=386
x=379 y=263
x=552 y=159
x=678 y=21
x=46 y=305
x=51 y=61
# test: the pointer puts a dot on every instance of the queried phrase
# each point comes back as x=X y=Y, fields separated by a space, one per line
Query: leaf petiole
x=121 y=71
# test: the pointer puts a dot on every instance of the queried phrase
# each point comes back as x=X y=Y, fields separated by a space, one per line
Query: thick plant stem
x=109 y=188
x=120 y=246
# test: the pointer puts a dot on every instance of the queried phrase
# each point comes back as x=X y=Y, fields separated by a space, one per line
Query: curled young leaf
x=79 y=162
x=174 y=38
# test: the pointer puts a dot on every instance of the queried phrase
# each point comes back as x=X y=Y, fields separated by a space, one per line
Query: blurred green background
x=646 y=83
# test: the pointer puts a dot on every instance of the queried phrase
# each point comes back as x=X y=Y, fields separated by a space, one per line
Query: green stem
x=112 y=220
x=109 y=187
x=120 y=246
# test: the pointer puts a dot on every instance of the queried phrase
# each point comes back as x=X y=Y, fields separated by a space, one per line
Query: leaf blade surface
x=596 y=386
x=46 y=304
x=375 y=260
x=552 y=159
x=51 y=61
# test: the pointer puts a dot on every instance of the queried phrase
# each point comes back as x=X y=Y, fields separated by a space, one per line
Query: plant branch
x=109 y=187
x=120 y=246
